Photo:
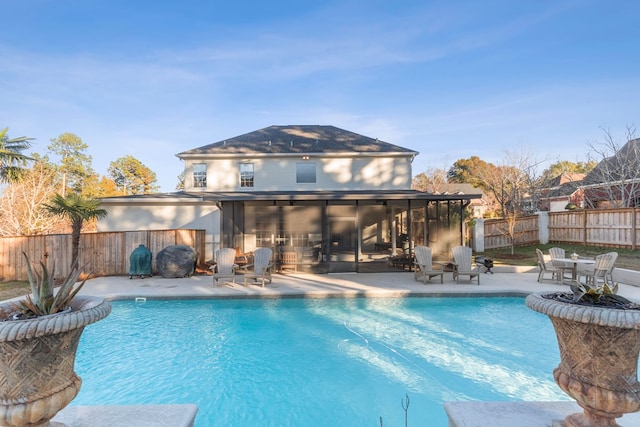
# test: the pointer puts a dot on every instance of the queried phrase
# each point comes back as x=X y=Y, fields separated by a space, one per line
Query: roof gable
x=297 y=139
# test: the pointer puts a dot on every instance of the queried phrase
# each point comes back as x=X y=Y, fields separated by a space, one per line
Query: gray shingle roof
x=298 y=139
x=625 y=164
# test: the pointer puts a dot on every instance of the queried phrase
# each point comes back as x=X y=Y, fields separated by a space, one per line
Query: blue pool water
x=332 y=362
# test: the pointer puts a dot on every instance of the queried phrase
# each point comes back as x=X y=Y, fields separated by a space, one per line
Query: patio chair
x=601 y=270
x=225 y=267
x=261 y=267
x=609 y=275
x=557 y=274
x=289 y=261
x=462 y=260
x=563 y=267
x=424 y=265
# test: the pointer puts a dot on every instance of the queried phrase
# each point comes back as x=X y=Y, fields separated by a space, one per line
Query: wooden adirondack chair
x=463 y=264
x=424 y=265
x=225 y=267
x=601 y=270
x=556 y=272
x=563 y=267
x=261 y=267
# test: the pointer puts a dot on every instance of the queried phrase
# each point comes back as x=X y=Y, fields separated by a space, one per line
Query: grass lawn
x=526 y=255
x=13 y=289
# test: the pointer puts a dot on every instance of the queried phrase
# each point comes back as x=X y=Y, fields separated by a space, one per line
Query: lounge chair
x=462 y=260
x=601 y=270
x=557 y=273
x=225 y=267
x=261 y=267
x=424 y=265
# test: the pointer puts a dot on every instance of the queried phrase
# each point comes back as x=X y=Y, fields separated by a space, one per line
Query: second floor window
x=306 y=173
x=246 y=174
x=200 y=175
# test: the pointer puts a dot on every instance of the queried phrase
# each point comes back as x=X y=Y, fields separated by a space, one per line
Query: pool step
x=127 y=416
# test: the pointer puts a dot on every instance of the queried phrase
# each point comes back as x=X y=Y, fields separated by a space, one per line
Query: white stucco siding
x=388 y=173
x=558 y=205
x=155 y=216
x=332 y=173
x=222 y=175
x=335 y=174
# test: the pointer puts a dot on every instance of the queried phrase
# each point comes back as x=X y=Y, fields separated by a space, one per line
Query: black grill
x=486 y=262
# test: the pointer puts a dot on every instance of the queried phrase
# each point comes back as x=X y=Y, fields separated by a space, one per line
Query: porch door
x=342 y=245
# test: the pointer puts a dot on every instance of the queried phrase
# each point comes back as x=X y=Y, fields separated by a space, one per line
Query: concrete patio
x=505 y=281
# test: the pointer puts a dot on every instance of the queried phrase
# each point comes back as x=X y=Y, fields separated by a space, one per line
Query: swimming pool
x=331 y=362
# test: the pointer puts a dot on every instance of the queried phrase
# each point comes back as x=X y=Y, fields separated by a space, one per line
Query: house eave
x=258 y=155
x=212 y=197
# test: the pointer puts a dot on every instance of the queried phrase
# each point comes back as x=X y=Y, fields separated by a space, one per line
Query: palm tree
x=77 y=209
x=12 y=161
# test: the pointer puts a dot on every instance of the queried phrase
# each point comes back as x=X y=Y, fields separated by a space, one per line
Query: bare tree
x=433 y=180
x=520 y=182
x=616 y=178
x=22 y=211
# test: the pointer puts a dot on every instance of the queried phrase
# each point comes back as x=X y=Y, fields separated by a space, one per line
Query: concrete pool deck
x=505 y=281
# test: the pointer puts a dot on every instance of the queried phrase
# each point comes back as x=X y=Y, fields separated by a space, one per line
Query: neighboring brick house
x=614 y=182
x=341 y=201
x=562 y=192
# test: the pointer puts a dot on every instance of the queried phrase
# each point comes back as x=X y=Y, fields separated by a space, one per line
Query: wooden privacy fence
x=618 y=228
x=107 y=254
x=599 y=227
x=496 y=232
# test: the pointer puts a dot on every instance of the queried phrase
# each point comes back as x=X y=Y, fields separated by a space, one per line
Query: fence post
x=633 y=228
x=543 y=227
x=478 y=235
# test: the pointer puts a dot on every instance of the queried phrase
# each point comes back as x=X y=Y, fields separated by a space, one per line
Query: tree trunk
x=76 y=228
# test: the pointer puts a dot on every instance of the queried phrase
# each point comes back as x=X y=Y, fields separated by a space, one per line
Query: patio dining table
x=575 y=262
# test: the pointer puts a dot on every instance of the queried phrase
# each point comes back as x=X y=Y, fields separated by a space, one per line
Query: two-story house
x=338 y=200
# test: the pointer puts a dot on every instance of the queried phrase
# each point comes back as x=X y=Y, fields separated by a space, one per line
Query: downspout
x=633 y=228
x=220 y=226
x=463 y=206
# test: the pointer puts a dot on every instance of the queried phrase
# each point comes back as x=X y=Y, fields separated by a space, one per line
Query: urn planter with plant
x=39 y=336
x=598 y=336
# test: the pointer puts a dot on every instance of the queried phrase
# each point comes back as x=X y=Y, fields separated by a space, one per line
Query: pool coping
x=497 y=294
x=175 y=415
x=521 y=414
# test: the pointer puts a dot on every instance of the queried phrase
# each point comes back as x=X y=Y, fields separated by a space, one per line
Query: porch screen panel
x=299 y=230
x=418 y=224
x=400 y=233
x=375 y=232
x=260 y=228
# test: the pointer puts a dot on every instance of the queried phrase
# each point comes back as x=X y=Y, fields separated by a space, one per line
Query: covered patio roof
x=333 y=195
x=294 y=195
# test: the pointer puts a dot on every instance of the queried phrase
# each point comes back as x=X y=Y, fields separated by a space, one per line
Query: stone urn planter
x=599 y=349
x=37 y=356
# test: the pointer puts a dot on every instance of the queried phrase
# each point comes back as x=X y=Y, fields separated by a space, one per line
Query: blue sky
x=450 y=79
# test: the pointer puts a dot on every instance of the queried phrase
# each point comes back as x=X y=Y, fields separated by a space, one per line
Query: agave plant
x=43 y=300
x=595 y=294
